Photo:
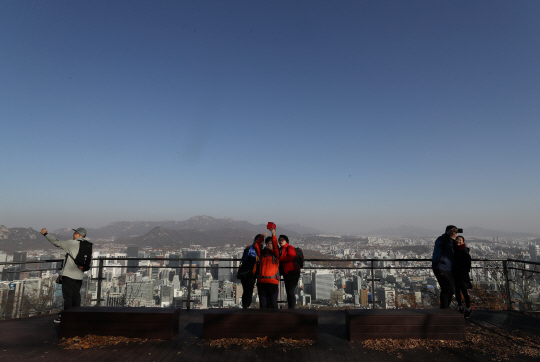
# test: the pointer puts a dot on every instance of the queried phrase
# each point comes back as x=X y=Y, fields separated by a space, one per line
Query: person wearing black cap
x=443 y=258
x=72 y=275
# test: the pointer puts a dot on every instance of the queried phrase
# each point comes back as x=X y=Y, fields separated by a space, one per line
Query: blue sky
x=347 y=116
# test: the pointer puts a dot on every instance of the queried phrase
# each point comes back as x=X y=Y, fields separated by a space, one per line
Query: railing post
x=100 y=277
x=189 y=288
x=507 y=286
x=372 y=286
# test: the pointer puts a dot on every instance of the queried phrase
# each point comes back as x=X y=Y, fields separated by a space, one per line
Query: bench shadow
x=196 y=329
x=338 y=331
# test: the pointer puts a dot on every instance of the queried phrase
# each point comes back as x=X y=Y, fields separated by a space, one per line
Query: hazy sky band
x=342 y=115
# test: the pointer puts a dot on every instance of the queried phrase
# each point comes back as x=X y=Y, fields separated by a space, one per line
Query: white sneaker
x=57 y=320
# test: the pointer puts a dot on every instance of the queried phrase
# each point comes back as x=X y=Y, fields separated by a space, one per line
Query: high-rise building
x=19 y=257
x=349 y=287
x=357 y=283
x=364 y=297
x=141 y=293
x=198 y=254
x=133 y=265
x=238 y=294
x=174 y=263
x=387 y=297
x=214 y=291
x=186 y=277
x=46 y=265
x=165 y=295
x=225 y=270
x=3 y=259
x=12 y=299
x=336 y=297
x=322 y=285
x=534 y=251
x=228 y=290
x=7 y=274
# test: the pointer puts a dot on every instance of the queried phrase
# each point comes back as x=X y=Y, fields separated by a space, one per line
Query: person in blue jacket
x=247 y=271
x=443 y=258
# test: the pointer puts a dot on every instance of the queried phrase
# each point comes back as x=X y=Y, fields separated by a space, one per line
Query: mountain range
x=411 y=231
x=205 y=231
x=201 y=230
x=202 y=223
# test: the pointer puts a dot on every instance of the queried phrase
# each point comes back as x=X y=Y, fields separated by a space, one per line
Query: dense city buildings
x=358 y=272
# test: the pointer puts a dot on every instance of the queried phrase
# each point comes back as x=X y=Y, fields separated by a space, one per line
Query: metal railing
x=21 y=296
x=509 y=283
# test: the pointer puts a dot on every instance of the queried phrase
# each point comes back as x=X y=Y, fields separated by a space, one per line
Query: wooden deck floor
x=35 y=339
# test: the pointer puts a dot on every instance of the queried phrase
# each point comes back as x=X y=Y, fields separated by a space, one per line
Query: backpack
x=249 y=259
x=84 y=255
x=269 y=268
x=299 y=258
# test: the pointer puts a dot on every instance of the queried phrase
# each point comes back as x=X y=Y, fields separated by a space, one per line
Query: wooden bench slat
x=269 y=328
x=274 y=324
x=254 y=335
x=155 y=323
x=439 y=336
x=145 y=334
x=97 y=326
x=456 y=319
x=250 y=319
x=406 y=329
x=364 y=324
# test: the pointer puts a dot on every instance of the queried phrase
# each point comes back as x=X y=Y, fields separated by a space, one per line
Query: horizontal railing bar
x=31 y=262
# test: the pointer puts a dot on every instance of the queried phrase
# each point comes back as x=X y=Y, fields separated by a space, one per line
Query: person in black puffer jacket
x=443 y=258
x=461 y=269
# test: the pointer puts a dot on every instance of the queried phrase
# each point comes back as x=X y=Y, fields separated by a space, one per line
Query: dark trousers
x=462 y=289
x=291 y=281
x=248 y=284
x=446 y=283
x=71 y=292
x=268 y=294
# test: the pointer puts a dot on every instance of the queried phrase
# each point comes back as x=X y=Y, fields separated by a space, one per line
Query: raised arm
x=275 y=248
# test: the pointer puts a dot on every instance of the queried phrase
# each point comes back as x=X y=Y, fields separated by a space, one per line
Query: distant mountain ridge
x=122 y=229
x=206 y=231
x=486 y=233
x=18 y=239
x=411 y=231
x=176 y=239
x=404 y=230
x=302 y=229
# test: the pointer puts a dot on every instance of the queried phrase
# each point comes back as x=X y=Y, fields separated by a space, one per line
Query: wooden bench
x=253 y=323
x=151 y=323
x=363 y=324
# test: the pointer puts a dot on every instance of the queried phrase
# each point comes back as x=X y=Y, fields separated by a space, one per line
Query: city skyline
x=343 y=116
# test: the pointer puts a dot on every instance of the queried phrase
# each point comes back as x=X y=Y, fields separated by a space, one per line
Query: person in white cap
x=71 y=274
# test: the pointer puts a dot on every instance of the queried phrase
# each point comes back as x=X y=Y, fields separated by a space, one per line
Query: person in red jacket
x=289 y=268
x=268 y=275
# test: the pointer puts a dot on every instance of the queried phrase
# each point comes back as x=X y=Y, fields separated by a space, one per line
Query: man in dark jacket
x=443 y=257
x=247 y=274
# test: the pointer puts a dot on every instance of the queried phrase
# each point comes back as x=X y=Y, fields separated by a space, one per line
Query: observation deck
x=36 y=339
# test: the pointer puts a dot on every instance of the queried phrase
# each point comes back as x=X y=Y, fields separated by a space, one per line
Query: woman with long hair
x=460 y=271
